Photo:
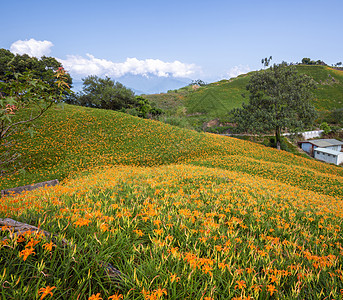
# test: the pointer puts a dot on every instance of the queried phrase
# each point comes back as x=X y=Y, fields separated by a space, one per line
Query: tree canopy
x=308 y=61
x=280 y=99
x=106 y=94
x=198 y=82
x=42 y=68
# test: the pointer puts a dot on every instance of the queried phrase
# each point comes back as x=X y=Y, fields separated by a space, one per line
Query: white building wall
x=340 y=159
x=336 y=148
x=330 y=158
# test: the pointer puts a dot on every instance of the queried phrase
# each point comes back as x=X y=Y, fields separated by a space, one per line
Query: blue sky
x=196 y=39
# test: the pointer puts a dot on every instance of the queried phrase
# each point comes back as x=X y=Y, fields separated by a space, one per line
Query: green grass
x=219 y=97
x=329 y=92
x=216 y=99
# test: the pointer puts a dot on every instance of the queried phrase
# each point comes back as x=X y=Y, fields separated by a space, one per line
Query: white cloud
x=32 y=47
x=82 y=66
x=238 y=70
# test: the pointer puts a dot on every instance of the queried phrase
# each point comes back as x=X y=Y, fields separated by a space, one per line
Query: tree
x=106 y=94
x=145 y=109
x=23 y=99
x=325 y=127
x=306 y=61
x=198 y=82
x=280 y=99
x=43 y=68
x=266 y=61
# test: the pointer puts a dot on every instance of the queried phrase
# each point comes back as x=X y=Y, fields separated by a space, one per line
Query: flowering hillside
x=175 y=213
x=74 y=139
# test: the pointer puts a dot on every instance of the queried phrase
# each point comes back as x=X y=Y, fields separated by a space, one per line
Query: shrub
x=325 y=127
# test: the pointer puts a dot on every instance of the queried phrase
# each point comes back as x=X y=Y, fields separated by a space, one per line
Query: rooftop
x=324 y=142
x=328 y=151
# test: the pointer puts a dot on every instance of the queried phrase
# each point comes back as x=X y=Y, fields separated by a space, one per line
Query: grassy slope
x=181 y=213
x=329 y=92
x=73 y=139
x=219 y=97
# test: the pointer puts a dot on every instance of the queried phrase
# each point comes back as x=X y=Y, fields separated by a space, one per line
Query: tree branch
x=3 y=133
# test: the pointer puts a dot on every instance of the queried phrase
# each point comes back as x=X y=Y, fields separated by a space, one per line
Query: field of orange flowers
x=180 y=214
x=75 y=139
x=175 y=232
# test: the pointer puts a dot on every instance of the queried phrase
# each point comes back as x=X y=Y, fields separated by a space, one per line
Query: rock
x=31 y=187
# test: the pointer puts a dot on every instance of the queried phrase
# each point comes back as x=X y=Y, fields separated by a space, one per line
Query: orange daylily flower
x=46 y=291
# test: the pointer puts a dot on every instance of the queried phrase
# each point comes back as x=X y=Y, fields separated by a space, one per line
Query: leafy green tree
x=280 y=99
x=43 y=68
x=325 y=127
x=145 y=108
x=306 y=61
x=24 y=99
x=106 y=94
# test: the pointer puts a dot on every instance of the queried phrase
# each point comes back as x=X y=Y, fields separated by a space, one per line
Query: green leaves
x=106 y=94
x=280 y=98
x=24 y=98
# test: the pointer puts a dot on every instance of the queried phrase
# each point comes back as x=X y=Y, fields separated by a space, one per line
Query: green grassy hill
x=216 y=99
x=329 y=92
x=181 y=215
x=72 y=139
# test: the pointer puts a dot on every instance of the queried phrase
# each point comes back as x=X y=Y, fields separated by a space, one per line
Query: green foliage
x=145 y=108
x=24 y=99
x=106 y=94
x=328 y=95
x=308 y=61
x=198 y=82
x=336 y=116
x=179 y=121
x=329 y=92
x=280 y=98
x=325 y=127
x=272 y=142
x=220 y=129
x=42 y=69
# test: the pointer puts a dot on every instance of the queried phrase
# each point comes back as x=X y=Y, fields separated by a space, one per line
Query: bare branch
x=3 y=133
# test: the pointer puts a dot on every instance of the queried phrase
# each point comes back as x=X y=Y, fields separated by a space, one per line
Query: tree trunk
x=278 y=138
